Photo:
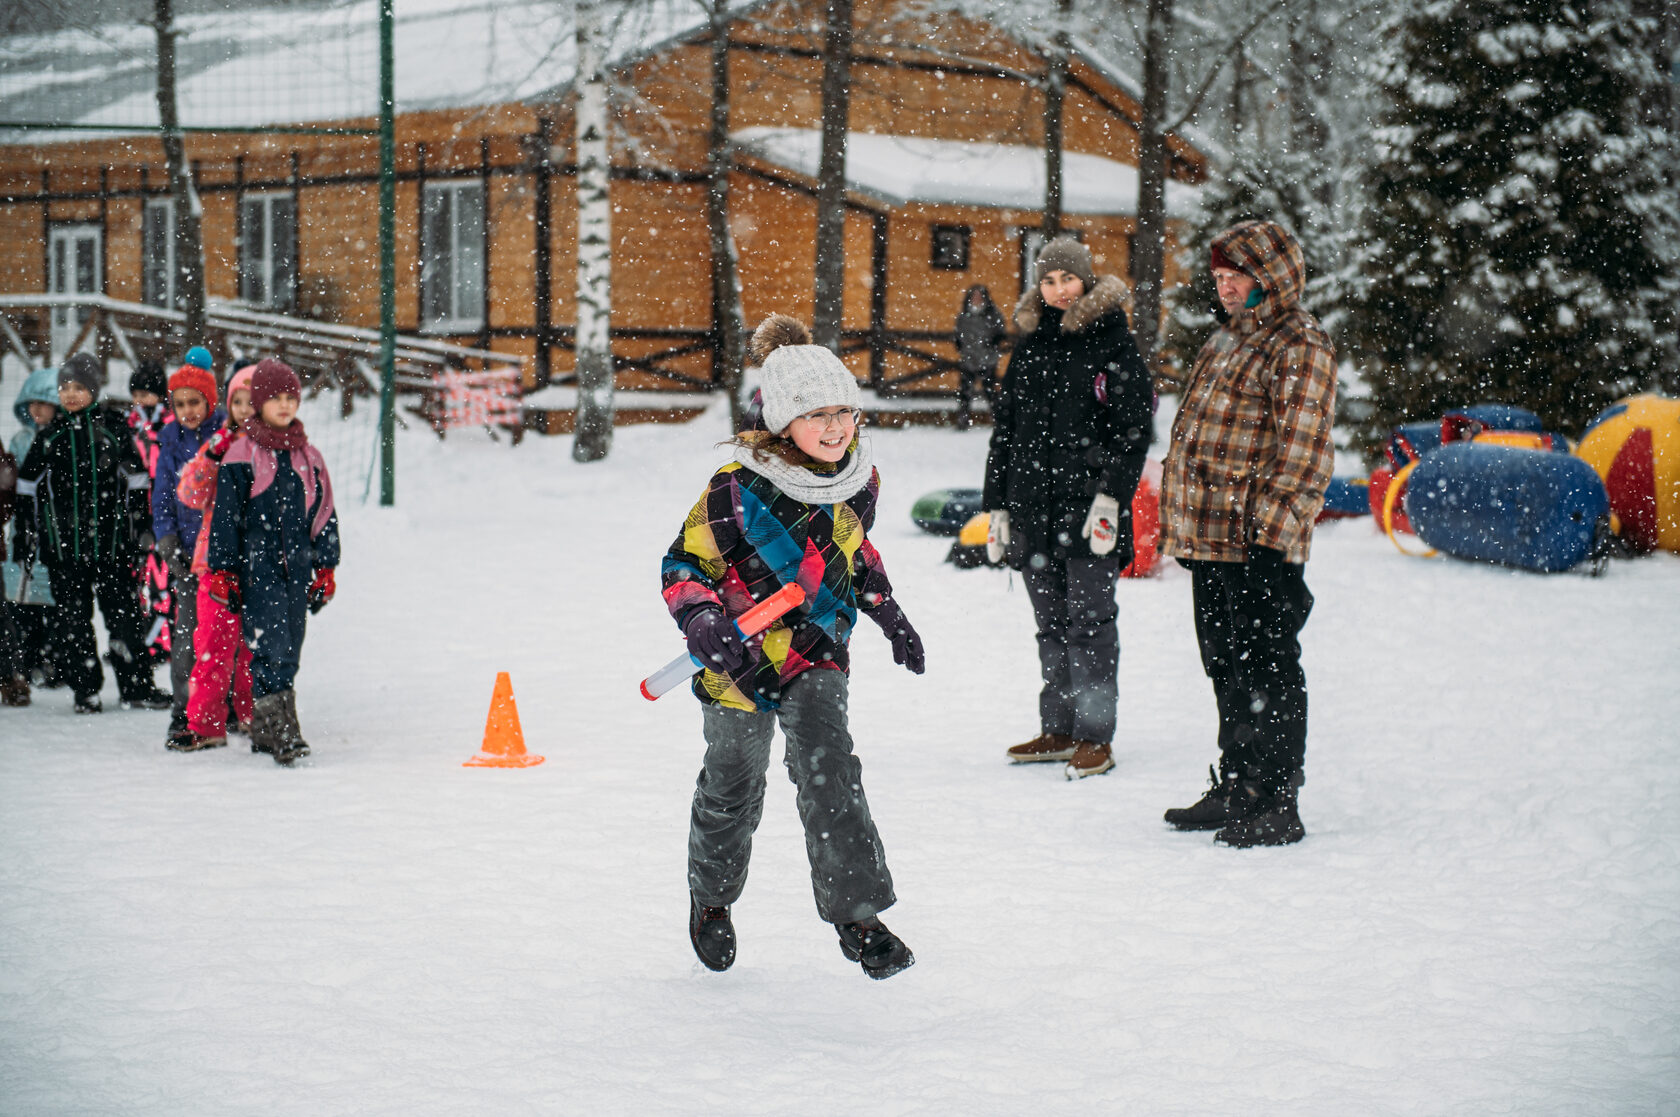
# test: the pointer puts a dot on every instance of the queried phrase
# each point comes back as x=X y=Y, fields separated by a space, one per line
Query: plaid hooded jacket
x=1251 y=453
x=744 y=540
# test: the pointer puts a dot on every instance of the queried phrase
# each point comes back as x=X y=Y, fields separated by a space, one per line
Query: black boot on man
x=880 y=952
x=1215 y=809
x=1271 y=817
x=712 y=934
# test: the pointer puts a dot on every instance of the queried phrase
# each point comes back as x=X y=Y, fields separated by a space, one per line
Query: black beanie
x=149 y=377
x=83 y=369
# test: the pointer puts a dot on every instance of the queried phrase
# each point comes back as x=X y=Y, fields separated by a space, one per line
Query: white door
x=74 y=263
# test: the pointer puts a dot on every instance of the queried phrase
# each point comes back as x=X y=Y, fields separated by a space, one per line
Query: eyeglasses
x=840 y=417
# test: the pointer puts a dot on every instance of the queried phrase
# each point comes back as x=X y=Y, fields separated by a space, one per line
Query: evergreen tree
x=1520 y=243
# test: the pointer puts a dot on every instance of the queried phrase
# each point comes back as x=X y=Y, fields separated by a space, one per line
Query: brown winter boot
x=289 y=745
x=267 y=723
x=1045 y=746
x=1089 y=759
x=14 y=691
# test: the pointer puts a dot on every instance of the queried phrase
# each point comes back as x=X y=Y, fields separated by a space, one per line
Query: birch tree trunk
x=831 y=177
x=1149 y=245
x=188 y=211
x=728 y=324
x=593 y=340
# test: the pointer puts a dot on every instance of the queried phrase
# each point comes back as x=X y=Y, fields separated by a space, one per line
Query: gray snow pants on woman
x=1078 y=645
x=848 y=867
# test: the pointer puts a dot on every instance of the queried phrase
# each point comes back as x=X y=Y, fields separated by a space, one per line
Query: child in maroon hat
x=273 y=550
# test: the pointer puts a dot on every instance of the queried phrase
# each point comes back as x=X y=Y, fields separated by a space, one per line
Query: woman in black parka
x=1073 y=422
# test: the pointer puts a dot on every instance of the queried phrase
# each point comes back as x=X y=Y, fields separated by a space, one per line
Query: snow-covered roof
x=900 y=169
x=255 y=67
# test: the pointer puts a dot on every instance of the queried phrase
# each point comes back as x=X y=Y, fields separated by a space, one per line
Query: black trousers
x=74 y=588
x=1248 y=623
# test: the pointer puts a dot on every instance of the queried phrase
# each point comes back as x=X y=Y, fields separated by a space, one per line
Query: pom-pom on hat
x=148 y=376
x=272 y=377
x=83 y=369
x=198 y=379
x=797 y=377
x=1065 y=254
x=199 y=357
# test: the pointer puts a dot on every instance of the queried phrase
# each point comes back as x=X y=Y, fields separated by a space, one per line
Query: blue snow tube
x=1500 y=504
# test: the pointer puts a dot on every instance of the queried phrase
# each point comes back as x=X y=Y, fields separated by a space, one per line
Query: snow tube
x=1515 y=507
x=1346 y=497
x=1410 y=441
x=1146 y=522
x=1634 y=447
x=1377 y=487
x=945 y=511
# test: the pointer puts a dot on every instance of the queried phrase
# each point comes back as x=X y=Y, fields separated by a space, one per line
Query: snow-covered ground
x=1484 y=918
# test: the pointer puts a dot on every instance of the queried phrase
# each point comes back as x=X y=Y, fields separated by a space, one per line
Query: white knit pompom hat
x=797 y=377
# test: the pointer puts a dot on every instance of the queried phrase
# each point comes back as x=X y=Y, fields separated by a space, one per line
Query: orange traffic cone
x=504 y=741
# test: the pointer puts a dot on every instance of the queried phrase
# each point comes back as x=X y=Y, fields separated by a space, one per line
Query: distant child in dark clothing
x=273 y=550
x=148 y=416
x=88 y=505
x=192 y=393
x=35 y=407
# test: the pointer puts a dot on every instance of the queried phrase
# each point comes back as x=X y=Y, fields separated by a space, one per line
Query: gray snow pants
x=184 y=592
x=848 y=867
x=1078 y=645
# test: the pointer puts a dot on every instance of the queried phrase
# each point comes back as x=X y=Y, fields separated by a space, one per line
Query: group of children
x=204 y=533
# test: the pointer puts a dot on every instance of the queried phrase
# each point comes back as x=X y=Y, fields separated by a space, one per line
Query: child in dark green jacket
x=86 y=505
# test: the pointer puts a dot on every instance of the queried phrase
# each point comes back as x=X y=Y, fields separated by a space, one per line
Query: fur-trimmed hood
x=1109 y=294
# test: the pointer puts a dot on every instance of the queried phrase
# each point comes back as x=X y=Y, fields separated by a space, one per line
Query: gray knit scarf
x=807 y=485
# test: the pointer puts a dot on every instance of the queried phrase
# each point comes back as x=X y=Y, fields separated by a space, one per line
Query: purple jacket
x=176 y=447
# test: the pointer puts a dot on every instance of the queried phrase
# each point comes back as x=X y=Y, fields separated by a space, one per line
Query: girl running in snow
x=273 y=548
x=795 y=505
x=220 y=657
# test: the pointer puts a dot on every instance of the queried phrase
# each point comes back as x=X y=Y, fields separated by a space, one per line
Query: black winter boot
x=878 y=950
x=1272 y=818
x=1215 y=809
x=712 y=934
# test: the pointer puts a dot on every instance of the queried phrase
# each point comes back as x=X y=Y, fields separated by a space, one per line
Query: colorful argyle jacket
x=1251 y=452
x=744 y=540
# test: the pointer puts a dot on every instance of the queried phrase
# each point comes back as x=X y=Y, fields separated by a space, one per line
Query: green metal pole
x=387 y=259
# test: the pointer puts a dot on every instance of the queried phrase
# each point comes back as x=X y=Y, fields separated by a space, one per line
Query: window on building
x=950 y=247
x=268 y=250
x=452 y=256
x=157 y=251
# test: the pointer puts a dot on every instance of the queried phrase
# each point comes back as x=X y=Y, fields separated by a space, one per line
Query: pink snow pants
x=220 y=658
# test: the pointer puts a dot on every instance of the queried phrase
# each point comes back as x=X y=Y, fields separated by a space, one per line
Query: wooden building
x=944 y=172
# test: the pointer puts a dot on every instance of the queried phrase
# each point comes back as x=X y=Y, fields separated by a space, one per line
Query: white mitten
x=1102 y=524
x=997 y=537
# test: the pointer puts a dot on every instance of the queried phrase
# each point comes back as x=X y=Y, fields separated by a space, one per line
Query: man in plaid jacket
x=1243 y=482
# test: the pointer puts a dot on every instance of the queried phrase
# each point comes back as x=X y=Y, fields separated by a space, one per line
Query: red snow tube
x=1146 y=522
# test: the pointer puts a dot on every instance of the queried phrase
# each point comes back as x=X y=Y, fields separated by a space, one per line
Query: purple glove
x=907 y=646
x=714 y=640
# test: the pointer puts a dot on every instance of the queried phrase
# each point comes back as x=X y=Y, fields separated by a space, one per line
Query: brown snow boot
x=268 y=720
x=14 y=691
x=289 y=745
x=1045 y=746
x=1089 y=759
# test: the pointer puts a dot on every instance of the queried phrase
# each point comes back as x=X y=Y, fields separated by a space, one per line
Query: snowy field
x=1484 y=918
